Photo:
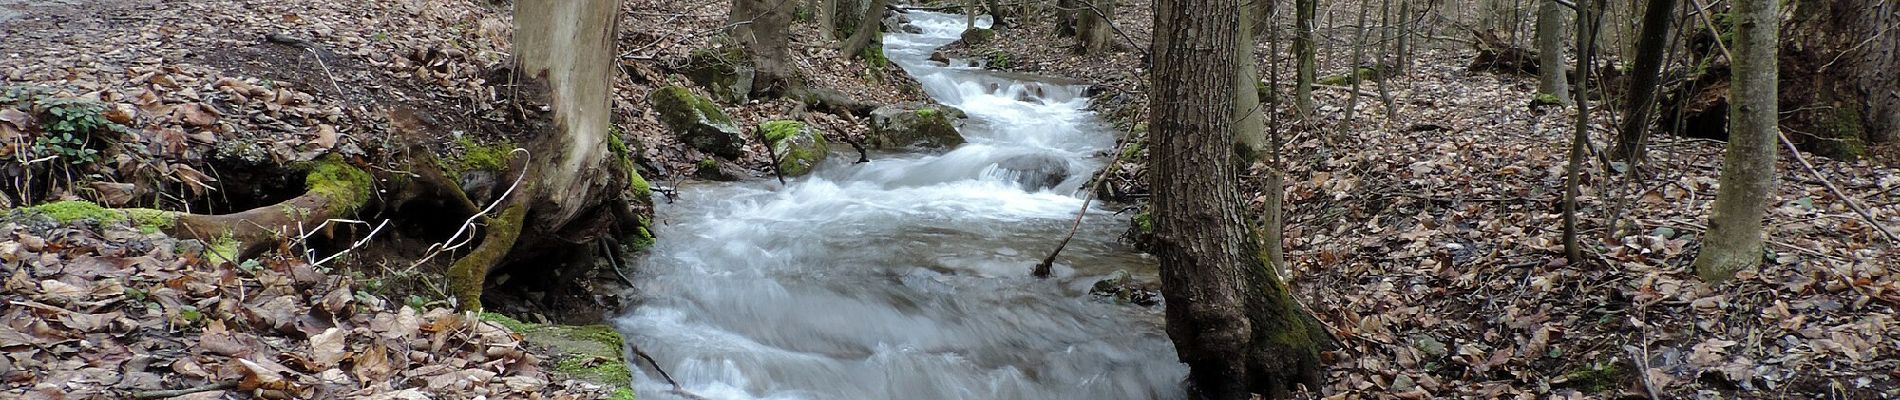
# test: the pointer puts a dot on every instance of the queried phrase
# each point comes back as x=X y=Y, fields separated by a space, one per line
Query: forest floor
x=1428 y=238
x=212 y=107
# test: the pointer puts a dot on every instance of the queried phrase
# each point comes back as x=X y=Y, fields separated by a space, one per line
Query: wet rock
x=938 y=56
x=1122 y=288
x=1035 y=171
x=698 y=122
x=726 y=73
x=717 y=170
x=1111 y=284
x=912 y=29
x=798 y=146
x=914 y=125
x=977 y=36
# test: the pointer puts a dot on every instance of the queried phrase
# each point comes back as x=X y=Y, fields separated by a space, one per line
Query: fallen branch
x=1042 y=268
x=1837 y=190
x=162 y=394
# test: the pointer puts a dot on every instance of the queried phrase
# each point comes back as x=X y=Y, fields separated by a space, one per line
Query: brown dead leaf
x=327 y=348
x=197 y=181
x=325 y=137
x=113 y=194
x=196 y=114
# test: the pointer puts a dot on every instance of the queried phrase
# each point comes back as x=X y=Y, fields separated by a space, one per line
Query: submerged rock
x=1035 y=171
x=698 y=122
x=908 y=125
x=798 y=146
x=716 y=170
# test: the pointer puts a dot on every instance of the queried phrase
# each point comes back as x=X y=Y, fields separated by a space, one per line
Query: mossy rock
x=698 y=122
x=726 y=73
x=798 y=146
x=914 y=125
x=1596 y=377
x=977 y=36
x=590 y=353
x=70 y=211
x=1361 y=74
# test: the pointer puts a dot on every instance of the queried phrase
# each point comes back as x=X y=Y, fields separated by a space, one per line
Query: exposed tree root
x=333 y=189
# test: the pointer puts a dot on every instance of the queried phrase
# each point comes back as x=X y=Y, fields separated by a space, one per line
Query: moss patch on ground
x=592 y=353
x=780 y=130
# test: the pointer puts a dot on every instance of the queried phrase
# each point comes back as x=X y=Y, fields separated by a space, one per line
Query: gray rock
x=1035 y=171
x=798 y=146
x=698 y=122
x=727 y=73
x=1111 y=284
x=914 y=125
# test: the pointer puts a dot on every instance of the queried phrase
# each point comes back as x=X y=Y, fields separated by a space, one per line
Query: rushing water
x=906 y=277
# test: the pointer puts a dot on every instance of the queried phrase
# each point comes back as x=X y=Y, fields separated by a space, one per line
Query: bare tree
x=1632 y=138
x=1307 y=55
x=1550 y=52
x=1092 y=28
x=1587 y=13
x=764 y=27
x=870 y=27
x=1733 y=241
x=1231 y=318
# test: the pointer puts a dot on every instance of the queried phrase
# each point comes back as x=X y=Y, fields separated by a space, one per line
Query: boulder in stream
x=698 y=122
x=797 y=145
x=1035 y=171
x=915 y=125
x=977 y=36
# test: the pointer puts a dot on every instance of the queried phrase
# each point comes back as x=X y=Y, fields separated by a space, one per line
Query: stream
x=906 y=277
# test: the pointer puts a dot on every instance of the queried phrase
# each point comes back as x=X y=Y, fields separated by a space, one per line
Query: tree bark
x=1587 y=13
x=869 y=28
x=827 y=19
x=1232 y=321
x=1250 y=128
x=1092 y=25
x=764 y=26
x=1550 y=51
x=564 y=61
x=1733 y=241
x=1633 y=137
x=1307 y=56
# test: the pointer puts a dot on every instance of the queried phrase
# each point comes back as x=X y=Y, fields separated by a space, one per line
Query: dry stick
x=160 y=394
x=1042 y=268
x=1837 y=190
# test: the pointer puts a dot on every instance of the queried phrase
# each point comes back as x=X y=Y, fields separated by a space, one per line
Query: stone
x=798 y=146
x=726 y=73
x=715 y=170
x=698 y=122
x=977 y=36
x=914 y=125
x=1111 y=284
x=1035 y=171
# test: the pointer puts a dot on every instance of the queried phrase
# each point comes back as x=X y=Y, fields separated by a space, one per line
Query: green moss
x=928 y=113
x=1842 y=132
x=145 y=219
x=1132 y=150
x=874 y=56
x=621 y=394
x=1545 y=99
x=222 y=248
x=776 y=131
x=479 y=156
x=679 y=98
x=708 y=163
x=1360 y=74
x=1596 y=377
x=507 y=322
x=998 y=59
x=346 y=187
x=642 y=190
x=1144 y=223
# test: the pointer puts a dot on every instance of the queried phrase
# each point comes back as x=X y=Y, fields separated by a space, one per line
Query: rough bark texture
x=1632 y=139
x=868 y=29
x=564 y=62
x=1231 y=319
x=1307 y=56
x=1250 y=123
x=1734 y=240
x=764 y=28
x=1837 y=74
x=1550 y=51
x=1092 y=28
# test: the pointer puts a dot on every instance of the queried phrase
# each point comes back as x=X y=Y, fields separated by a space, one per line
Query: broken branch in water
x=1042 y=268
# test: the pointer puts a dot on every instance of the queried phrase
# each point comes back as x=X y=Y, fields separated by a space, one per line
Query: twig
x=1837 y=190
x=438 y=248
x=677 y=389
x=160 y=394
x=1042 y=268
x=326 y=72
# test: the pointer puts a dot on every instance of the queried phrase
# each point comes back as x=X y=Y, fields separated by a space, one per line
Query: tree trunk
x=564 y=61
x=1733 y=241
x=1550 y=51
x=1358 y=61
x=1308 y=56
x=1836 y=75
x=764 y=26
x=1632 y=138
x=1092 y=25
x=1250 y=128
x=1232 y=321
x=1067 y=11
x=1404 y=53
x=870 y=26
x=827 y=19
x=1580 y=136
